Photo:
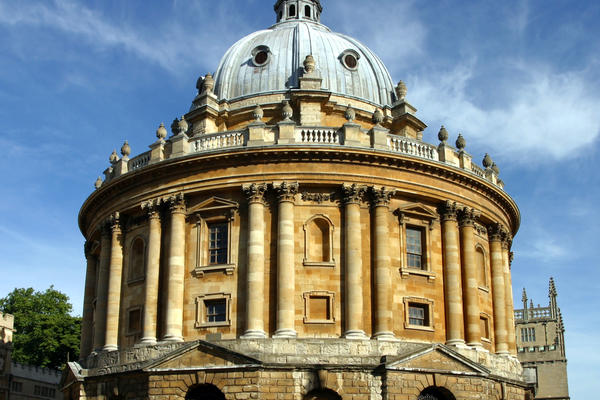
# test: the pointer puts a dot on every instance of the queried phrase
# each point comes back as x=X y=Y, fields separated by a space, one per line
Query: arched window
x=436 y=393
x=307 y=11
x=292 y=11
x=481 y=267
x=322 y=394
x=204 y=392
x=318 y=238
x=137 y=260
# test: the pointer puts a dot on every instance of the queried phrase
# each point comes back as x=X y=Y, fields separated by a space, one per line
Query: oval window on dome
x=261 y=56
x=349 y=59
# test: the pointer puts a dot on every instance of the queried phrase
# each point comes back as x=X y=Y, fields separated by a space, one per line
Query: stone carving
x=401 y=91
x=114 y=222
x=179 y=126
x=495 y=169
x=255 y=192
x=318 y=197
x=287 y=111
x=353 y=193
x=161 y=132
x=152 y=207
x=126 y=150
x=443 y=134
x=258 y=113
x=449 y=211
x=286 y=191
x=209 y=83
x=487 y=161
x=497 y=232
x=467 y=216
x=309 y=64
x=381 y=196
x=176 y=203
x=461 y=143
x=377 y=117
x=350 y=114
x=98 y=183
x=114 y=158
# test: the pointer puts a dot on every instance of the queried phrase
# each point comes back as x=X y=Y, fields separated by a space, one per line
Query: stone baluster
x=176 y=270
x=452 y=275
x=255 y=286
x=509 y=301
x=113 y=307
x=353 y=195
x=152 y=208
x=102 y=288
x=496 y=235
x=285 y=260
x=87 y=322
x=467 y=217
x=383 y=272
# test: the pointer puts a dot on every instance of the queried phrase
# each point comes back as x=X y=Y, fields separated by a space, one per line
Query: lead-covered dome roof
x=271 y=60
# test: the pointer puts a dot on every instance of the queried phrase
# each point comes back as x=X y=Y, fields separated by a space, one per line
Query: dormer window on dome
x=298 y=10
x=261 y=55
x=349 y=59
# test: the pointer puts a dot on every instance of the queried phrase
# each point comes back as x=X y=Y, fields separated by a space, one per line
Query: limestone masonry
x=295 y=238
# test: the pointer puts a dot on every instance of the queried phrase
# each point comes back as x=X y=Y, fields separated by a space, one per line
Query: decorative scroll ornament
x=176 y=203
x=255 y=192
x=401 y=91
x=467 y=216
x=449 y=211
x=350 y=114
x=353 y=193
x=381 y=196
x=287 y=111
x=286 y=191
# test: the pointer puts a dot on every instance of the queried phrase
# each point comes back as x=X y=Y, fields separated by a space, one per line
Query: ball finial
x=161 y=132
x=487 y=161
x=309 y=64
x=350 y=114
x=258 y=113
x=378 y=117
x=113 y=157
x=126 y=149
x=443 y=134
x=287 y=111
x=401 y=91
x=98 y=183
x=461 y=143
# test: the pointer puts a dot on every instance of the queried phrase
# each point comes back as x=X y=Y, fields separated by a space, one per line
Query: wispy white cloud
x=543 y=248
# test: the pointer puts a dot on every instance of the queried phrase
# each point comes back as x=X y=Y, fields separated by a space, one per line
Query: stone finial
x=287 y=111
x=495 y=169
x=443 y=134
x=200 y=84
x=401 y=91
x=98 y=183
x=487 y=161
x=125 y=149
x=258 y=113
x=309 y=64
x=378 y=117
x=183 y=125
x=524 y=298
x=552 y=288
x=209 y=83
x=350 y=114
x=175 y=127
x=461 y=143
x=161 y=132
x=113 y=157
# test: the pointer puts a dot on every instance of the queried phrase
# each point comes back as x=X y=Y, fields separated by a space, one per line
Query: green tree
x=46 y=333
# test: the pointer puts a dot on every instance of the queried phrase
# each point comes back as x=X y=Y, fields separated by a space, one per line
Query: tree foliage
x=46 y=333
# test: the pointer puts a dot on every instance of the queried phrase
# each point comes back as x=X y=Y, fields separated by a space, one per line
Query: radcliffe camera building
x=295 y=237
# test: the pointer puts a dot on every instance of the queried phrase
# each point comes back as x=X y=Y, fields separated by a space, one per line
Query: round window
x=260 y=56
x=349 y=59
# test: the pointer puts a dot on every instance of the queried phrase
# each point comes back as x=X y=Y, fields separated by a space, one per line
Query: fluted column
x=114 y=285
x=102 y=288
x=152 y=272
x=285 y=260
x=88 y=297
x=176 y=270
x=383 y=276
x=510 y=311
x=467 y=218
x=354 y=294
x=452 y=275
x=496 y=234
x=255 y=286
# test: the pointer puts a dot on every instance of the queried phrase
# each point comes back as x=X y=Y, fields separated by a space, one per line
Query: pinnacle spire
x=552 y=289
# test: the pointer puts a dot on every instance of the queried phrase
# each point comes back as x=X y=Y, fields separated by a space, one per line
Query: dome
x=271 y=61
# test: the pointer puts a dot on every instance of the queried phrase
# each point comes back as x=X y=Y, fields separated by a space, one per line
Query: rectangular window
x=217 y=245
x=485 y=327
x=17 y=387
x=216 y=310
x=37 y=390
x=134 y=325
x=527 y=334
x=418 y=315
x=414 y=248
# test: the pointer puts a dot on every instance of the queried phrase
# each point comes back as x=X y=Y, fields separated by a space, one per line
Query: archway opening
x=322 y=394
x=204 y=392
x=436 y=393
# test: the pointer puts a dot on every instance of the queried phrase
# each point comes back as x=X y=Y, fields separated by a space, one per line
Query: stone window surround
x=129 y=311
x=306 y=261
x=136 y=279
x=421 y=301
x=487 y=319
x=425 y=224
x=319 y=293
x=486 y=285
x=201 y=310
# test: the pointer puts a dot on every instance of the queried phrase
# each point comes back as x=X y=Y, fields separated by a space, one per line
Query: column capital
x=381 y=196
x=467 y=216
x=255 y=192
x=497 y=232
x=353 y=193
x=87 y=248
x=507 y=241
x=152 y=208
x=448 y=211
x=286 y=191
x=176 y=203
x=114 y=222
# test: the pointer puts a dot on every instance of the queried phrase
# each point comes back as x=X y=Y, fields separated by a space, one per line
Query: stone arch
x=436 y=393
x=204 y=391
x=322 y=394
x=318 y=241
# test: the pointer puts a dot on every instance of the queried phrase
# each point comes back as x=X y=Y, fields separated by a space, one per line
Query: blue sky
x=519 y=79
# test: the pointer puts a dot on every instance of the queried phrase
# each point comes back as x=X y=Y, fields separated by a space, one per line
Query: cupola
x=298 y=10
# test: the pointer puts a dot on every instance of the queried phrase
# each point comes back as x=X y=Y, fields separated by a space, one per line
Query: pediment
x=72 y=373
x=200 y=355
x=436 y=358
x=215 y=204
x=417 y=210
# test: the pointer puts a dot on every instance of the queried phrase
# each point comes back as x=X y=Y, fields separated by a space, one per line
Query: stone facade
x=541 y=346
x=6 y=335
x=298 y=243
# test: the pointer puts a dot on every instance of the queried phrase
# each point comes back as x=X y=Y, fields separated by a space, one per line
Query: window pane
x=217 y=246
x=414 y=248
x=417 y=315
x=216 y=310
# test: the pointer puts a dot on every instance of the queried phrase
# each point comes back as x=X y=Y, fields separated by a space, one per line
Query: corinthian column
x=176 y=270
x=509 y=301
x=152 y=271
x=102 y=288
x=467 y=218
x=383 y=276
x=255 y=286
x=452 y=275
x=354 y=294
x=114 y=285
x=285 y=260
x=88 y=307
x=496 y=235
